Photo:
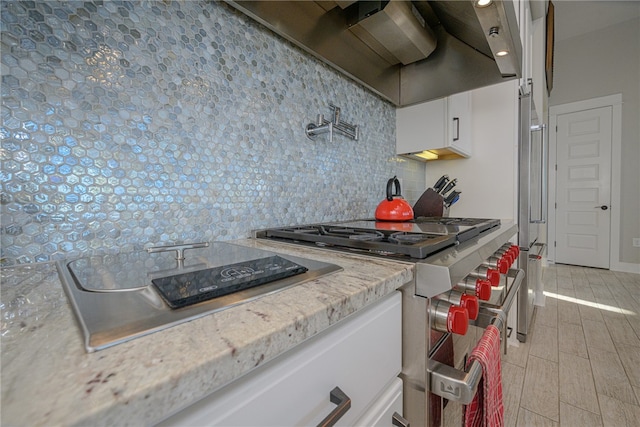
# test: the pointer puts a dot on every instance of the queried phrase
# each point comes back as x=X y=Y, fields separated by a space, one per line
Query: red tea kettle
x=394 y=207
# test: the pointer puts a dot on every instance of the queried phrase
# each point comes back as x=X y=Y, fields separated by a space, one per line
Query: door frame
x=615 y=102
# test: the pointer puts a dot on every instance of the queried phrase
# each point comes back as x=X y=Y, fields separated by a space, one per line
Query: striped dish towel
x=486 y=408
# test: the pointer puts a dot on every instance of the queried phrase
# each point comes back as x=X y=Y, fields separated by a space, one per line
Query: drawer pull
x=399 y=421
x=343 y=401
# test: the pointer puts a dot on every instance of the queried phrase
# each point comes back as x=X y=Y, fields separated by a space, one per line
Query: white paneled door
x=583 y=187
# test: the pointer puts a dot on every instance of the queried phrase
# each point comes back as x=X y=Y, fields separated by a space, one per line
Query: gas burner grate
x=355 y=234
x=387 y=242
x=404 y=238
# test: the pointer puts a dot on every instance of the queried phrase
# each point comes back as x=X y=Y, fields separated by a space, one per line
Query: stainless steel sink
x=114 y=300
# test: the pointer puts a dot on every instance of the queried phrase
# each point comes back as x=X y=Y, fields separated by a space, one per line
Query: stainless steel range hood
x=407 y=52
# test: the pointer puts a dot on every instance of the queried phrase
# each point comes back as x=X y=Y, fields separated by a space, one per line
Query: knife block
x=430 y=204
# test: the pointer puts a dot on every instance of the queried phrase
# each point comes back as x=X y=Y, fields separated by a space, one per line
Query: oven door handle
x=454 y=384
x=498 y=315
x=461 y=386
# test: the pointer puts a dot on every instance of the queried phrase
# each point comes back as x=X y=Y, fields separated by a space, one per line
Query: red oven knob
x=512 y=254
x=458 y=320
x=446 y=317
x=504 y=264
x=470 y=302
x=475 y=286
x=515 y=250
x=483 y=289
x=484 y=272
x=501 y=264
x=512 y=250
x=493 y=276
x=508 y=253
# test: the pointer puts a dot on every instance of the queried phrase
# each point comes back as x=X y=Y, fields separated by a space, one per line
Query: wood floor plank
x=609 y=375
x=576 y=383
x=571 y=340
x=531 y=419
x=621 y=331
x=618 y=414
x=544 y=343
x=597 y=335
x=540 y=392
x=568 y=312
x=512 y=382
x=572 y=416
x=630 y=358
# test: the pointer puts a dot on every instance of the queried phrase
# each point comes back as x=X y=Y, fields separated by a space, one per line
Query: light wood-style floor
x=581 y=365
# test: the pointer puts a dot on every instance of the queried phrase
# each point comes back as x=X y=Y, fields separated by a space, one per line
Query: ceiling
x=577 y=17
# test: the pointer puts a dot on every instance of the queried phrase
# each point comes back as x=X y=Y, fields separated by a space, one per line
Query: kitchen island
x=49 y=379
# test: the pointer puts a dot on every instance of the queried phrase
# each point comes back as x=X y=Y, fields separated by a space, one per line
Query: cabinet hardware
x=343 y=401
x=457 y=120
x=399 y=421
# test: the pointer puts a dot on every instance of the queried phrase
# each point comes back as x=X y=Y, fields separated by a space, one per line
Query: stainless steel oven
x=445 y=308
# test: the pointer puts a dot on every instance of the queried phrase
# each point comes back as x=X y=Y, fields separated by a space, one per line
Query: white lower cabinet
x=361 y=355
x=381 y=413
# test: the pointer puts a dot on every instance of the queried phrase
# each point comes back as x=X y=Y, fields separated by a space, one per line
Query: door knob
x=603 y=207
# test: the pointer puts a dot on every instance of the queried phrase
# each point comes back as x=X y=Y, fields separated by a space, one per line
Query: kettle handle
x=390 y=184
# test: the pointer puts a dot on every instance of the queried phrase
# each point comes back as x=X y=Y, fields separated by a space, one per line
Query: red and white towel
x=486 y=408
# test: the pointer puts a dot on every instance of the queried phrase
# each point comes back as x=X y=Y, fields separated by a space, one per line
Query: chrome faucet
x=323 y=126
x=347 y=129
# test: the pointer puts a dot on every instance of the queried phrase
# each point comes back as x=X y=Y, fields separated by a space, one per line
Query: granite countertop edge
x=49 y=379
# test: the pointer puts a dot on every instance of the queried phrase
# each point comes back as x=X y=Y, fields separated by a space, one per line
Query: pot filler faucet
x=323 y=126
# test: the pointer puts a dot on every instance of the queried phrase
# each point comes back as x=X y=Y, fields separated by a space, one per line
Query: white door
x=583 y=187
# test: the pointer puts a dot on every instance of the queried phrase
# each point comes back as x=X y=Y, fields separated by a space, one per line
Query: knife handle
x=441 y=183
x=449 y=186
x=449 y=199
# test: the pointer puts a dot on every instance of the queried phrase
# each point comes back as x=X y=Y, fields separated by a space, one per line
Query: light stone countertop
x=48 y=378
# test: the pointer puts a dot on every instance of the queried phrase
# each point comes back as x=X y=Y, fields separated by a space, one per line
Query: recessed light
x=502 y=53
x=483 y=3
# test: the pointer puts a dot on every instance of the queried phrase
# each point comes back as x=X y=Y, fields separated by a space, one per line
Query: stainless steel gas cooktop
x=116 y=298
x=416 y=239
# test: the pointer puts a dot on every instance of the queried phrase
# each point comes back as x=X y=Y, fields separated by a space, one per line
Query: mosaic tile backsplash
x=127 y=124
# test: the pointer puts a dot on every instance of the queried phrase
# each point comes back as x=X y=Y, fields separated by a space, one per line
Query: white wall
x=602 y=63
x=488 y=178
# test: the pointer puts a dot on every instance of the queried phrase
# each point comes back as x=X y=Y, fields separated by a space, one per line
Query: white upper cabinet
x=439 y=129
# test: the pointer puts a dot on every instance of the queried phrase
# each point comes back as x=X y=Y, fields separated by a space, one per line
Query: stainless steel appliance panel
x=464 y=57
x=530 y=262
x=532 y=206
x=114 y=301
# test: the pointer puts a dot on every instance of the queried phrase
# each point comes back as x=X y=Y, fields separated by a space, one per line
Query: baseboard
x=625 y=267
x=622 y=267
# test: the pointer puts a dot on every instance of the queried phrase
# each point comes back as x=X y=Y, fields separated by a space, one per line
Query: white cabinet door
x=380 y=414
x=361 y=355
x=442 y=126
x=459 y=113
x=421 y=127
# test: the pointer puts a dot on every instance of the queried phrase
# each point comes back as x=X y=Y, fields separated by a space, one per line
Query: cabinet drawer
x=380 y=414
x=361 y=355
